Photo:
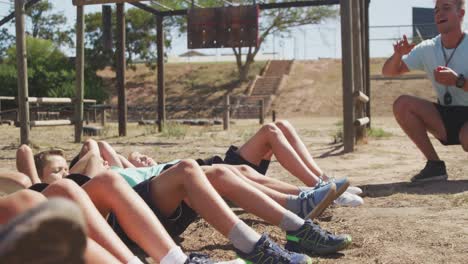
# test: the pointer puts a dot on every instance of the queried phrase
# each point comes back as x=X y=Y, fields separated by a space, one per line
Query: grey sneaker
x=52 y=233
x=433 y=171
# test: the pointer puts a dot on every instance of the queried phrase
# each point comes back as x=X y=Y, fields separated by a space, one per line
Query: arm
x=394 y=65
x=125 y=162
x=25 y=163
x=108 y=154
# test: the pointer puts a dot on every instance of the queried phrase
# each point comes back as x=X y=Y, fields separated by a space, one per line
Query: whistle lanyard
x=448 y=96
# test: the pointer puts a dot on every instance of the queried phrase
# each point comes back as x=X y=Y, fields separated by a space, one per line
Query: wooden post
x=94 y=113
x=366 y=53
x=22 y=73
x=107 y=29
x=227 y=109
x=161 y=92
x=122 y=97
x=273 y=115
x=79 y=73
x=261 y=111
x=103 y=117
x=347 y=71
x=357 y=52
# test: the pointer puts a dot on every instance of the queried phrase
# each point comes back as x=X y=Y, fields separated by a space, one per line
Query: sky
x=308 y=42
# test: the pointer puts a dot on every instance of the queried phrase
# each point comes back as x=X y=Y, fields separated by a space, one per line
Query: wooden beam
x=361 y=121
x=161 y=92
x=79 y=73
x=39 y=123
x=22 y=72
x=147 y=8
x=265 y=6
x=361 y=96
x=8 y=98
x=367 y=83
x=100 y=2
x=347 y=72
x=358 y=79
x=121 y=64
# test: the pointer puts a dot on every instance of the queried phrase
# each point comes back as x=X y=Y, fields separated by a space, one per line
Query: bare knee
x=29 y=198
x=283 y=125
x=19 y=202
x=63 y=188
x=402 y=105
x=271 y=131
x=221 y=178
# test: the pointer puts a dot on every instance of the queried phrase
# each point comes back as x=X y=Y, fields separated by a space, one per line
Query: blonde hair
x=42 y=158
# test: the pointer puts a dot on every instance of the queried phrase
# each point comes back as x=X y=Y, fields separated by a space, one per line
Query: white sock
x=135 y=260
x=243 y=237
x=174 y=256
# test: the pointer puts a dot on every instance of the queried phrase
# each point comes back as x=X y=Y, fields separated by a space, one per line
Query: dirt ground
x=399 y=222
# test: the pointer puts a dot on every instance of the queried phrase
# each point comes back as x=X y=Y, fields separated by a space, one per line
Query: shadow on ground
x=428 y=188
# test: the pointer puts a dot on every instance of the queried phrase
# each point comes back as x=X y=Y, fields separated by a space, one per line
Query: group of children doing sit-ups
x=136 y=203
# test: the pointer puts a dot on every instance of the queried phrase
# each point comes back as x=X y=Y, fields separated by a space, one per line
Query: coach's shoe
x=53 y=232
x=267 y=251
x=433 y=171
x=311 y=239
x=342 y=184
x=315 y=201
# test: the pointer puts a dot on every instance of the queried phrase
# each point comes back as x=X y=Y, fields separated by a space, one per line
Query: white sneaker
x=349 y=199
x=354 y=190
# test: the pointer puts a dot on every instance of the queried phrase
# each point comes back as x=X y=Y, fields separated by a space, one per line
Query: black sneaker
x=311 y=239
x=198 y=258
x=433 y=171
x=268 y=252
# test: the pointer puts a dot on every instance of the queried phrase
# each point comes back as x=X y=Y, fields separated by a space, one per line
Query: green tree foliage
x=48 y=25
x=50 y=73
x=6 y=39
x=140 y=35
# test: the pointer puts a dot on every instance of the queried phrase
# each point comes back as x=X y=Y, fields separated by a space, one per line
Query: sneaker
x=53 y=232
x=198 y=258
x=267 y=251
x=349 y=199
x=315 y=201
x=311 y=239
x=341 y=184
x=354 y=190
x=433 y=171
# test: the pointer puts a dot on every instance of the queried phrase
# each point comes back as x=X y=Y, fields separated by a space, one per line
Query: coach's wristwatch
x=460 y=81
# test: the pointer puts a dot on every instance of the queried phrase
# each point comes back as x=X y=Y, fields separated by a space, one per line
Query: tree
x=140 y=34
x=6 y=40
x=48 y=25
x=50 y=72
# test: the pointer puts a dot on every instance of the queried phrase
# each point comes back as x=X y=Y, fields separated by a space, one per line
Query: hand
x=445 y=76
x=402 y=47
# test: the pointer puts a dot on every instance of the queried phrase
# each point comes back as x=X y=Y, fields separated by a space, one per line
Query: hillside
x=314 y=88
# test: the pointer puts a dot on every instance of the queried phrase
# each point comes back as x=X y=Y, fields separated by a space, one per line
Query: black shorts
x=453 y=117
x=80 y=179
x=233 y=158
x=175 y=224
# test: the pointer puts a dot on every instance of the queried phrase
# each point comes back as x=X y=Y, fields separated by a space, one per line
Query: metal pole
x=22 y=73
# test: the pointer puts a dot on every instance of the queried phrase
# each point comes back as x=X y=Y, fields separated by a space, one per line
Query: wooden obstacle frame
x=355 y=44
